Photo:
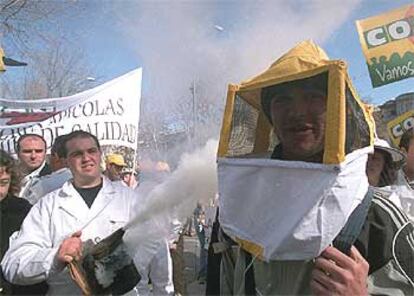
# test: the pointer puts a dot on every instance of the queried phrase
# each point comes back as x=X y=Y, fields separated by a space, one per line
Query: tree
x=24 y=23
x=53 y=72
x=34 y=31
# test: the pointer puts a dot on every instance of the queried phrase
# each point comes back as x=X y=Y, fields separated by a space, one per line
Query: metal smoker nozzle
x=108 y=245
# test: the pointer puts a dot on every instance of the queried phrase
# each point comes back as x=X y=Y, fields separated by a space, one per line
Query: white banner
x=109 y=111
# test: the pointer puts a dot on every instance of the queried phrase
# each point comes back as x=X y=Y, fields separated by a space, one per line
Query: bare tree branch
x=7 y=5
x=17 y=11
x=24 y=23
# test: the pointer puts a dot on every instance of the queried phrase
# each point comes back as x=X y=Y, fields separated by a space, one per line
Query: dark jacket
x=13 y=211
x=45 y=171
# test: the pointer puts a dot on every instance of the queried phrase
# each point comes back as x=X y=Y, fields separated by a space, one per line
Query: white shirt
x=29 y=180
x=47 y=184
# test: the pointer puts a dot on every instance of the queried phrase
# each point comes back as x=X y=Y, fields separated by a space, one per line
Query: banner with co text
x=387 y=41
x=399 y=125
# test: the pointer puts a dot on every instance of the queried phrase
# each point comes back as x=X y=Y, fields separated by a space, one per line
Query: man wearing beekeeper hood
x=296 y=212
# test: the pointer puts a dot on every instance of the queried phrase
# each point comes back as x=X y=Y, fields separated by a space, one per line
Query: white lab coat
x=31 y=257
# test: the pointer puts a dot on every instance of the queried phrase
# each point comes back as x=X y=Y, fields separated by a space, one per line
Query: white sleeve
x=160 y=272
x=31 y=257
x=36 y=191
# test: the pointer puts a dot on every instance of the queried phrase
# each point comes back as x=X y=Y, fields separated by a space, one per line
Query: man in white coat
x=87 y=207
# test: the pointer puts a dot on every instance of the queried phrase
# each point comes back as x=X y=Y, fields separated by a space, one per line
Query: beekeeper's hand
x=335 y=273
x=71 y=248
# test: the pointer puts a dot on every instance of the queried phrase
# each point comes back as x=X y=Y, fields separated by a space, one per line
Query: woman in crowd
x=13 y=211
x=382 y=166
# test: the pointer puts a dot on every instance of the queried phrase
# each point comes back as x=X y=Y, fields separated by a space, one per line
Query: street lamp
x=86 y=79
x=193 y=93
x=219 y=28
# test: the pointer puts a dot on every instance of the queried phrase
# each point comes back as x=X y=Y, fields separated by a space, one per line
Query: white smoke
x=195 y=179
x=205 y=45
x=178 y=42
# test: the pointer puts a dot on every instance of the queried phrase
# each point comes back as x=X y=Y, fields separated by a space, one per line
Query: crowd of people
x=56 y=212
x=50 y=209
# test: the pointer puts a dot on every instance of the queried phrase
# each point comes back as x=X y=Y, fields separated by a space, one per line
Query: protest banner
x=399 y=125
x=109 y=111
x=387 y=41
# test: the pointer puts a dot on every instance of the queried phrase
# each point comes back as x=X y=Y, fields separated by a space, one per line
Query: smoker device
x=105 y=268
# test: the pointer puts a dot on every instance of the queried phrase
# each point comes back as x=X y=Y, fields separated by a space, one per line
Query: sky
x=213 y=43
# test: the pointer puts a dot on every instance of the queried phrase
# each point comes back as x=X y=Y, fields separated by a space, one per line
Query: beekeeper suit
x=291 y=170
x=53 y=235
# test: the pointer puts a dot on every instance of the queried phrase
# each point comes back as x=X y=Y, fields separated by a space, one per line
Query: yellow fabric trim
x=227 y=120
x=261 y=142
x=304 y=57
x=252 y=248
x=335 y=115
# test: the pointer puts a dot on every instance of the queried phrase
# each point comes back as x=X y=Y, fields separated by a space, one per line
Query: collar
x=71 y=202
x=69 y=190
x=33 y=174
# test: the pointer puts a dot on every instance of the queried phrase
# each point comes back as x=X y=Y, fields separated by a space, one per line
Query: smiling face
x=83 y=159
x=298 y=117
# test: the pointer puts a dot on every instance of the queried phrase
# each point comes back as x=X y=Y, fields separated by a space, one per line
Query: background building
x=390 y=110
x=394 y=108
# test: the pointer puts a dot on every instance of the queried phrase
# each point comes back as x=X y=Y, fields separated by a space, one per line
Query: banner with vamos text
x=387 y=41
x=109 y=111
